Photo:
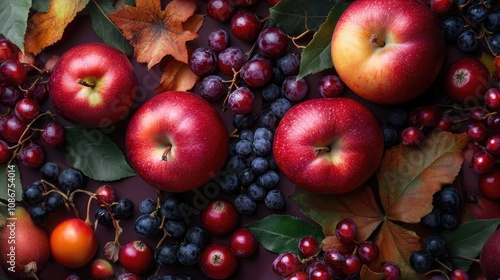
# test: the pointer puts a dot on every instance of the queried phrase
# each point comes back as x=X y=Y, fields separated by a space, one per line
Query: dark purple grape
x=203 y=61
x=218 y=40
x=231 y=59
x=272 y=42
x=476 y=13
x=492 y=21
x=293 y=89
x=467 y=41
x=212 y=88
x=289 y=64
x=453 y=26
x=494 y=43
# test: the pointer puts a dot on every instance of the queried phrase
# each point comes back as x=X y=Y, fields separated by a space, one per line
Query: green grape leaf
x=105 y=28
x=14 y=15
x=467 y=240
x=281 y=233
x=316 y=55
x=129 y=2
x=11 y=178
x=41 y=6
x=294 y=15
x=95 y=154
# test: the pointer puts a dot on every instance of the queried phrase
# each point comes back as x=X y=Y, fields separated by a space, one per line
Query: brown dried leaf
x=155 y=33
x=111 y=250
x=45 y=29
x=367 y=274
x=177 y=76
x=409 y=175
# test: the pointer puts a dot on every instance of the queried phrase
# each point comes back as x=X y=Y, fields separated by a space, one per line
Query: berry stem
x=465 y=259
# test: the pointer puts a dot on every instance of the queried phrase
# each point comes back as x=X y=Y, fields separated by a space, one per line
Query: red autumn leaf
x=45 y=29
x=155 y=33
x=359 y=205
x=408 y=176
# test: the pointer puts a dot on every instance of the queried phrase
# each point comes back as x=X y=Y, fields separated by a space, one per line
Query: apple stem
x=321 y=150
x=165 y=153
x=374 y=39
x=85 y=83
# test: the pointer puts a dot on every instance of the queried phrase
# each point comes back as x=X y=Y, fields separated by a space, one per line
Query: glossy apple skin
x=112 y=75
x=405 y=66
x=349 y=130
x=467 y=80
x=489 y=258
x=193 y=129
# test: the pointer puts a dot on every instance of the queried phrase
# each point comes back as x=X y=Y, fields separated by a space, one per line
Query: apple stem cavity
x=321 y=150
x=85 y=83
x=164 y=156
x=374 y=39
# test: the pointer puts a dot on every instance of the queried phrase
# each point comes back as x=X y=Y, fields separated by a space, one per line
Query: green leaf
x=41 y=6
x=294 y=15
x=105 y=28
x=316 y=55
x=129 y=2
x=281 y=233
x=14 y=15
x=95 y=154
x=468 y=239
x=11 y=178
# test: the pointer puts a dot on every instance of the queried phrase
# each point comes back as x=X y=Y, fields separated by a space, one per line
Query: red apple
x=93 y=85
x=177 y=141
x=328 y=145
x=467 y=80
x=388 y=51
x=484 y=208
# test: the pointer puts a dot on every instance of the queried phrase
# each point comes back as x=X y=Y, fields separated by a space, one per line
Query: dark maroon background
x=256 y=267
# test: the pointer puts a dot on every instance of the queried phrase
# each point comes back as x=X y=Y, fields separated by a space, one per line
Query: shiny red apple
x=388 y=51
x=328 y=145
x=93 y=85
x=177 y=141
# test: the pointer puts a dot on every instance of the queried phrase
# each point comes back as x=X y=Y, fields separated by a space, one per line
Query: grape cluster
x=183 y=243
x=22 y=92
x=50 y=194
x=334 y=263
x=434 y=257
x=446 y=210
x=170 y=277
x=474 y=25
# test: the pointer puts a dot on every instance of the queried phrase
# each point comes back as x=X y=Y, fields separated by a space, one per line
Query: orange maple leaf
x=45 y=29
x=155 y=33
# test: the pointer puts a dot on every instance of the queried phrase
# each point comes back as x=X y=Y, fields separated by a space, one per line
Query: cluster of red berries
x=22 y=92
x=312 y=263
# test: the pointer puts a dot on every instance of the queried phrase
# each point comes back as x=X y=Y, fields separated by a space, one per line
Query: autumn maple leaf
x=155 y=33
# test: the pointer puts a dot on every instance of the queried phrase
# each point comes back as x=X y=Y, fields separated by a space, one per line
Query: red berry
x=101 y=269
x=53 y=135
x=477 y=113
x=482 y=162
x=241 y=101
x=217 y=261
x=27 y=109
x=494 y=123
x=243 y=243
x=308 y=246
x=12 y=72
x=412 y=136
x=10 y=96
x=299 y=275
x=293 y=89
x=136 y=257
x=331 y=86
x=272 y=42
x=219 y=217
x=286 y=264
x=231 y=59
x=5 y=152
x=334 y=258
x=32 y=156
x=220 y=10
x=128 y=276
x=489 y=184
x=367 y=251
x=445 y=124
x=458 y=274
x=440 y=6
x=352 y=264
x=346 y=231
x=105 y=195
x=218 y=40
x=492 y=98
x=320 y=274
x=493 y=145
x=477 y=132
x=256 y=72
x=12 y=128
x=245 y=26
x=7 y=50
x=391 y=270
x=245 y=3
